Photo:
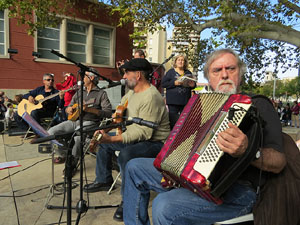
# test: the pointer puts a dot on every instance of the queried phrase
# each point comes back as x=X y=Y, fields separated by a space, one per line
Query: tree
x=293 y=87
x=258 y=29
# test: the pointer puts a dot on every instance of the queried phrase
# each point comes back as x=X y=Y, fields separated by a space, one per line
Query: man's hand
x=69 y=110
x=61 y=94
x=31 y=99
x=232 y=141
x=105 y=137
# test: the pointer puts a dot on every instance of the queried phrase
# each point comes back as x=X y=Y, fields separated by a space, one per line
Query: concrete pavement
x=26 y=190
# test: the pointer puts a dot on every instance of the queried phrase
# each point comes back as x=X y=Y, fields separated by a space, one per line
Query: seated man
x=48 y=107
x=144 y=101
x=96 y=107
x=224 y=71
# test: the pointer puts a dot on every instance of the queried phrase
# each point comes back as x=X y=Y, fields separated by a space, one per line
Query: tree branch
x=290 y=5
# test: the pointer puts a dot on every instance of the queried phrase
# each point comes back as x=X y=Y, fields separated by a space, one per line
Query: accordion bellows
x=190 y=157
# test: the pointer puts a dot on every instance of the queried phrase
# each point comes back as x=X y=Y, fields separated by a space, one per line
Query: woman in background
x=178 y=91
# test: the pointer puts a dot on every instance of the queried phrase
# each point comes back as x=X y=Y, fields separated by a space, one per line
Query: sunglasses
x=49 y=79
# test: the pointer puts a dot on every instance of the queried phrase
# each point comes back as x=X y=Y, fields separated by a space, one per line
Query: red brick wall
x=22 y=72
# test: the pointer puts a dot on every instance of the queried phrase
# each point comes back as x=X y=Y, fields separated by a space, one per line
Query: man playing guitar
x=49 y=106
x=96 y=107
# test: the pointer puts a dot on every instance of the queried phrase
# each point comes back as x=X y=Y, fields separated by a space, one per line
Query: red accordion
x=191 y=158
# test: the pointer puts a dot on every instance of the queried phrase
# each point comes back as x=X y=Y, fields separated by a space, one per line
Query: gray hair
x=216 y=54
x=48 y=75
x=93 y=72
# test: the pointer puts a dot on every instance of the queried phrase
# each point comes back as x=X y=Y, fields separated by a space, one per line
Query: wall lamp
x=36 y=54
x=12 y=51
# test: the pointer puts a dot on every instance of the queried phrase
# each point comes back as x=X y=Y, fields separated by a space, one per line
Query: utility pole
x=274 y=86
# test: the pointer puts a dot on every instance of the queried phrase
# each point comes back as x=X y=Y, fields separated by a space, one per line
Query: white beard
x=229 y=88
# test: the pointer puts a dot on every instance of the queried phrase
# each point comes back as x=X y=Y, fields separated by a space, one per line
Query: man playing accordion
x=224 y=70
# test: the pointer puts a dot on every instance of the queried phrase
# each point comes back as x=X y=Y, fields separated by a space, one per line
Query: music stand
x=39 y=130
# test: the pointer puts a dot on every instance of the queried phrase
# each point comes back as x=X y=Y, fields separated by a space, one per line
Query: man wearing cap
x=49 y=106
x=144 y=101
x=96 y=106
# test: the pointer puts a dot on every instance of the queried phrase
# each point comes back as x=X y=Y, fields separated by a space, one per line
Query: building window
x=150 y=42
x=4 y=38
x=101 y=46
x=47 y=39
x=150 y=51
x=80 y=41
x=76 y=42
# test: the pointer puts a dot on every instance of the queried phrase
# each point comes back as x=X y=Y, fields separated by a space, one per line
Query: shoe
x=59 y=160
x=95 y=187
x=34 y=139
x=118 y=216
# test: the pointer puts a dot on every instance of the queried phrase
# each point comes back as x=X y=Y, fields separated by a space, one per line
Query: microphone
x=43 y=139
x=142 y=122
x=113 y=84
x=170 y=57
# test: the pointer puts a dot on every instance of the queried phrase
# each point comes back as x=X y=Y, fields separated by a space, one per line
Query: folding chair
x=237 y=220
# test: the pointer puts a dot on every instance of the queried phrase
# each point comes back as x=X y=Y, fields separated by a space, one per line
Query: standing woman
x=177 y=92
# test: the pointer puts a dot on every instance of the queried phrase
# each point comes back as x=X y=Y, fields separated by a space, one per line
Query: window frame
x=6 y=55
x=89 y=46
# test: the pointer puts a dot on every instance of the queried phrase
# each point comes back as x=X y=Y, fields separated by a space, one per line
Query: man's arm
x=234 y=142
x=270 y=160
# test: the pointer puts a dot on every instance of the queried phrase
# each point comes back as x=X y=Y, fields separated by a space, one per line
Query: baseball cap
x=137 y=64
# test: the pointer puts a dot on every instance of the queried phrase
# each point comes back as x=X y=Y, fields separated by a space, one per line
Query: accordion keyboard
x=211 y=153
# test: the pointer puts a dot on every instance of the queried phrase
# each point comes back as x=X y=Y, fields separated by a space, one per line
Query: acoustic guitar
x=76 y=109
x=117 y=118
x=26 y=106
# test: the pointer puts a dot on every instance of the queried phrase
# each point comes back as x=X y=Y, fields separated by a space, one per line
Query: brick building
x=92 y=41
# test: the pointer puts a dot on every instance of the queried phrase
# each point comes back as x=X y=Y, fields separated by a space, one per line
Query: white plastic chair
x=241 y=219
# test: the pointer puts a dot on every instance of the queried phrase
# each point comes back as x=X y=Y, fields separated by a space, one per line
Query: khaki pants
x=295 y=120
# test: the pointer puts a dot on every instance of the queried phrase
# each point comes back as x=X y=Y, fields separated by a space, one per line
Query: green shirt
x=148 y=105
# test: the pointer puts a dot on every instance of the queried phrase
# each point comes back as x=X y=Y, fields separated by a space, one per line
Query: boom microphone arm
x=81 y=66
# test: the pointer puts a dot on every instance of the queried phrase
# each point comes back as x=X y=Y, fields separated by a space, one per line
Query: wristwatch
x=257 y=155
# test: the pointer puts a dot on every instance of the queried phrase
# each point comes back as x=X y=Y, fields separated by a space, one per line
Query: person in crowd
x=49 y=106
x=9 y=115
x=3 y=108
x=286 y=114
x=224 y=70
x=177 y=92
x=68 y=82
x=96 y=106
x=295 y=114
x=17 y=99
x=154 y=79
x=145 y=102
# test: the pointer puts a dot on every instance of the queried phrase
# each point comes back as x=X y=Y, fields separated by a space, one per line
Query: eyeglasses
x=49 y=80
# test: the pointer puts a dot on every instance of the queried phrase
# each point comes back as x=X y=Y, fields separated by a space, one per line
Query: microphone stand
x=167 y=60
x=81 y=206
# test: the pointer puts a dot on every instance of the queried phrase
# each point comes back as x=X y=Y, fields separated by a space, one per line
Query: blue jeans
x=145 y=149
x=177 y=206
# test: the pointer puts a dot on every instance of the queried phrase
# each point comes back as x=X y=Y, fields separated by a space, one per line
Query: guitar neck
x=48 y=97
x=54 y=95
